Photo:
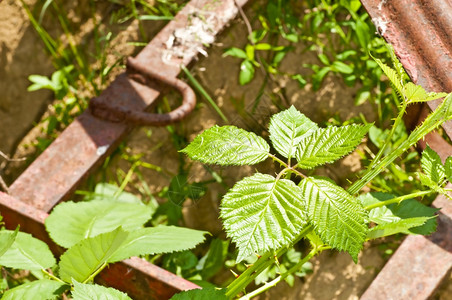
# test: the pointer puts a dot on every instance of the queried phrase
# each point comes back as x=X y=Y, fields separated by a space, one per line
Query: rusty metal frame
x=421 y=33
x=84 y=144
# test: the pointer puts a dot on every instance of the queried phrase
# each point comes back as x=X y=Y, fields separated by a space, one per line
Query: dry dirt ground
x=21 y=54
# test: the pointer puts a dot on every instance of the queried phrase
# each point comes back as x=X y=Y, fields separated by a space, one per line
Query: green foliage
x=43 y=289
x=27 y=252
x=432 y=166
x=71 y=222
x=408 y=216
x=261 y=213
x=228 y=145
x=287 y=129
x=338 y=218
x=7 y=238
x=327 y=145
x=198 y=294
x=93 y=291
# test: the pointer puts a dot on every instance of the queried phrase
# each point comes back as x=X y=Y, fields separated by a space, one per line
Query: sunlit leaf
x=228 y=145
x=261 y=213
x=96 y=292
x=44 y=289
x=287 y=129
x=327 y=145
x=338 y=218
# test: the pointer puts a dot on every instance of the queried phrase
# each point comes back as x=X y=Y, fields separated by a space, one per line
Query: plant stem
x=275 y=281
x=391 y=134
x=203 y=92
x=398 y=199
x=260 y=265
x=50 y=275
x=278 y=160
x=91 y=277
x=434 y=120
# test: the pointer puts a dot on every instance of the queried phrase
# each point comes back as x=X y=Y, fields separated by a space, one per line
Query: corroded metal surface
x=56 y=173
x=421 y=33
x=419 y=265
x=105 y=110
x=139 y=278
x=87 y=141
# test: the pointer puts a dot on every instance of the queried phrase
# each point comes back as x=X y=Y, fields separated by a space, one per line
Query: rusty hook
x=115 y=113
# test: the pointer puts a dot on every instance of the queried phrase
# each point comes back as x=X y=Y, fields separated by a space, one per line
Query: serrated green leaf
x=327 y=145
x=71 y=222
x=261 y=213
x=432 y=165
x=416 y=93
x=44 y=289
x=96 y=292
x=207 y=293
x=392 y=76
x=157 y=240
x=448 y=168
x=428 y=182
x=401 y=226
x=7 y=238
x=228 y=145
x=287 y=129
x=409 y=216
x=338 y=218
x=28 y=253
x=83 y=259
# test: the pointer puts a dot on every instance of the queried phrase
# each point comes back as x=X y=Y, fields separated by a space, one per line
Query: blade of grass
x=203 y=92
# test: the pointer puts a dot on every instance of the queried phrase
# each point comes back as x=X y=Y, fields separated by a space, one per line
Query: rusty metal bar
x=99 y=107
x=54 y=175
x=419 y=265
x=57 y=172
x=421 y=33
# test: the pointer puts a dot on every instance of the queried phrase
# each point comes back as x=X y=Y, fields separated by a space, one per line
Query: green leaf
x=401 y=226
x=207 y=293
x=7 y=238
x=39 y=82
x=28 y=253
x=246 y=72
x=110 y=192
x=340 y=67
x=71 y=222
x=213 y=261
x=287 y=129
x=392 y=76
x=228 y=145
x=409 y=216
x=318 y=77
x=44 y=289
x=94 y=292
x=416 y=93
x=432 y=166
x=80 y=261
x=327 y=145
x=362 y=31
x=261 y=213
x=448 y=168
x=338 y=218
x=236 y=52
x=157 y=240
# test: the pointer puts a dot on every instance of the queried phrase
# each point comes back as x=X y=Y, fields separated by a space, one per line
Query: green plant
x=266 y=215
x=95 y=233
